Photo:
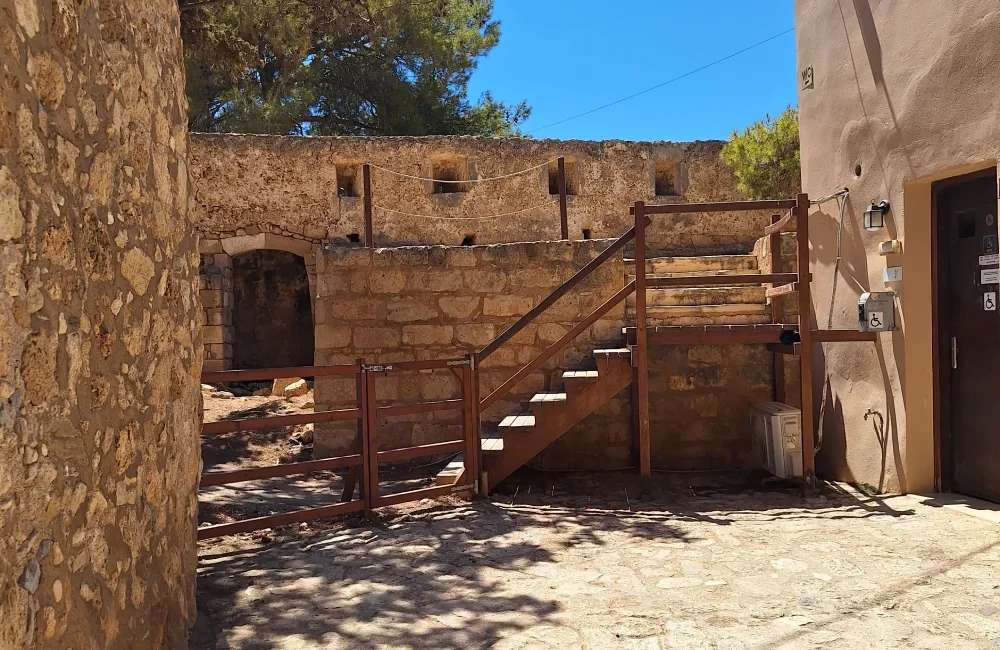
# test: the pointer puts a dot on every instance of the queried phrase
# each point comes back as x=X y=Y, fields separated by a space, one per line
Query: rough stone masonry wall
x=99 y=345
x=436 y=302
x=309 y=189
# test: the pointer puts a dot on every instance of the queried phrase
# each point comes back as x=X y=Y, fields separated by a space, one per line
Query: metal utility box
x=776 y=431
x=876 y=311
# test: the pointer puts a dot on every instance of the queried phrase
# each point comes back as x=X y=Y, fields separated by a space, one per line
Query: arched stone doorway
x=272 y=311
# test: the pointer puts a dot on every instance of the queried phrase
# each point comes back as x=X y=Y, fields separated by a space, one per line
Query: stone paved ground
x=578 y=562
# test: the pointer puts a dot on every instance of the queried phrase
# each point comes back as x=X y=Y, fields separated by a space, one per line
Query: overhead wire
x=667 y=82
x=484 y=218
x=470 y=180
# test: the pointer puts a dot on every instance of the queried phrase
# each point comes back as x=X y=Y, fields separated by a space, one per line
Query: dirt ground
x=576 y=561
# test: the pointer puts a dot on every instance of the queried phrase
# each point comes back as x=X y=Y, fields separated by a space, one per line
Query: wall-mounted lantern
x=875 y=215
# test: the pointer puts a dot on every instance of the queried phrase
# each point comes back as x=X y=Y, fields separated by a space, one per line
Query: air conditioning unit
x=776 y=432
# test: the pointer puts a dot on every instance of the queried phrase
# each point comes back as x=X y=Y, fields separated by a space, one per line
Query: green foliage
x=765 y=157
x=341 y=67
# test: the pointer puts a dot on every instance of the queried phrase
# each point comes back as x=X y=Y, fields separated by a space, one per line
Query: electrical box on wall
x=876 y=311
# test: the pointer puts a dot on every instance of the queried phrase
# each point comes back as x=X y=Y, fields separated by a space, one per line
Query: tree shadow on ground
x=425 y=579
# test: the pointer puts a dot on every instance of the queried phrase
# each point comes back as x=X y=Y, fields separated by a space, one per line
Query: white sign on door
x=989 y=276
x=986 y=260
x=990 y=301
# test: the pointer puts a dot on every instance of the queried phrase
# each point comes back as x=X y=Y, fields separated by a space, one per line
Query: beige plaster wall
x=100 y=350
x=906 y=91
x=244 y=185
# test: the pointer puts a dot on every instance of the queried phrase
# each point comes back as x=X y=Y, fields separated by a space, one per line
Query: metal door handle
x=954 y=353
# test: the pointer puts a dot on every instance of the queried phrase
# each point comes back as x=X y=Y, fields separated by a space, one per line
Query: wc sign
x=990 y=301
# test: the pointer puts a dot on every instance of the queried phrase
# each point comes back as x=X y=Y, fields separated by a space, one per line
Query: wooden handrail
x=559 y=292
x=779 y=225
x=535 y=363
x=731 y=206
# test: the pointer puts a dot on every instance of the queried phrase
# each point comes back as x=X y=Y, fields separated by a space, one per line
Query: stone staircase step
x=707 y=296
x=451 y=471
x=580 y=375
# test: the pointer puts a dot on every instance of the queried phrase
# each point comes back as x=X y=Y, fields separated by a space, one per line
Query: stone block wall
x=100 y=345
x=215 y=276
x=309 y=188
x=438 y=302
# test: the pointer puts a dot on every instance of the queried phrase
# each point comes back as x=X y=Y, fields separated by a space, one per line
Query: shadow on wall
x=272 y=313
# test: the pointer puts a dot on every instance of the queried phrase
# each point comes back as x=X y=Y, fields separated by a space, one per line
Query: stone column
x=100 y=344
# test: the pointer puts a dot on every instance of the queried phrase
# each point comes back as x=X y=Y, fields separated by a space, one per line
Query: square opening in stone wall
x=570 y=177
x=666 y=177
x=348 y=183
x=450 y=174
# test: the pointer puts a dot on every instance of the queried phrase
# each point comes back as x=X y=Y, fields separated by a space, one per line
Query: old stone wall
x=100 y=349
x=310 y=189
x=438 y=302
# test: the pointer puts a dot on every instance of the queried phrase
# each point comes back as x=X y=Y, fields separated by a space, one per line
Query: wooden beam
x=406 y=453
x=711 y=334
x=272 y=521
x=777 y=225
x=424 y=493
x=654 y=282
x=805 y=335
x=781 y=348
x=778 y=363
x=398 y=410
x=560 y=291
x=641 y=349
x=366 y=173
x=224 y=376
x=782 y=290
x=270 y=422
x=272 y=471
x=563 y=216
x=842 y=336
x=537 y=362
x=731 y=206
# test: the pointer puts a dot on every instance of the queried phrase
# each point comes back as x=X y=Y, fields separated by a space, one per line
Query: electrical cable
x=660 y=85
x=471 y=180
x=493 y=216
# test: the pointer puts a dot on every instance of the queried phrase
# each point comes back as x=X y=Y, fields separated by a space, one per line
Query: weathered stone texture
x=295 y=187
x=444 y=302
x=100 y=348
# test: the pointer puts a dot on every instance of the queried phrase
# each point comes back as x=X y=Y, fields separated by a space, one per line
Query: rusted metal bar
x=710 y=334
x=781 y=290
x=356 y=473
x=370 y=450
x=366 y=172
x=719 y=280
x=559 y=292
x=641 y=349
x=224 y=376
x=270 y=422
x=477 y=434
x=428 y=364
x=423 y=493
x=842 y=336
x=805 y=336
x=469 y=430
x=547 y=354
x=563 y=217
x=398 y=410
x=272 y=521
x=406 y=453
x=774 y=243
x=272 y=471
x=731 y=206
x=778 y=223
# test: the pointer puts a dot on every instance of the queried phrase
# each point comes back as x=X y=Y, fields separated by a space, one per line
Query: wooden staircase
x=546 y=416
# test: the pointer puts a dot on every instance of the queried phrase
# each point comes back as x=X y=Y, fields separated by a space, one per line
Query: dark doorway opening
x=272 y=313
x=967 y=321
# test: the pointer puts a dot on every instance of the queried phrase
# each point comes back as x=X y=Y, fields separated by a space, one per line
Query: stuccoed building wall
x=100 y=350
x=310 y=189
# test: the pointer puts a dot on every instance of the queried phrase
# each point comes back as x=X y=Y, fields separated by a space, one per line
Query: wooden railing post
x=805 y=336
x=370 y=448
x=366 y=173
x=774 y=243
x=470 y=428
x=640 y=352
x=563 y=217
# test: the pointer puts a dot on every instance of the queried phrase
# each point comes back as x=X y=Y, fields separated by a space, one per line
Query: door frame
x=941 y=398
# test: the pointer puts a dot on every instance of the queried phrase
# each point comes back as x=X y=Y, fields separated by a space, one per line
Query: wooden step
x=614 y=352
x=492 y=443
x=696 y=296
x=451 y=471
x=519 y=423
x=540 y=399
x=580 y=375
x=698 y=264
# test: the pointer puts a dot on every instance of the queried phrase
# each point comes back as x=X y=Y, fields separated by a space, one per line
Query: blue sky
x=568 y=56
